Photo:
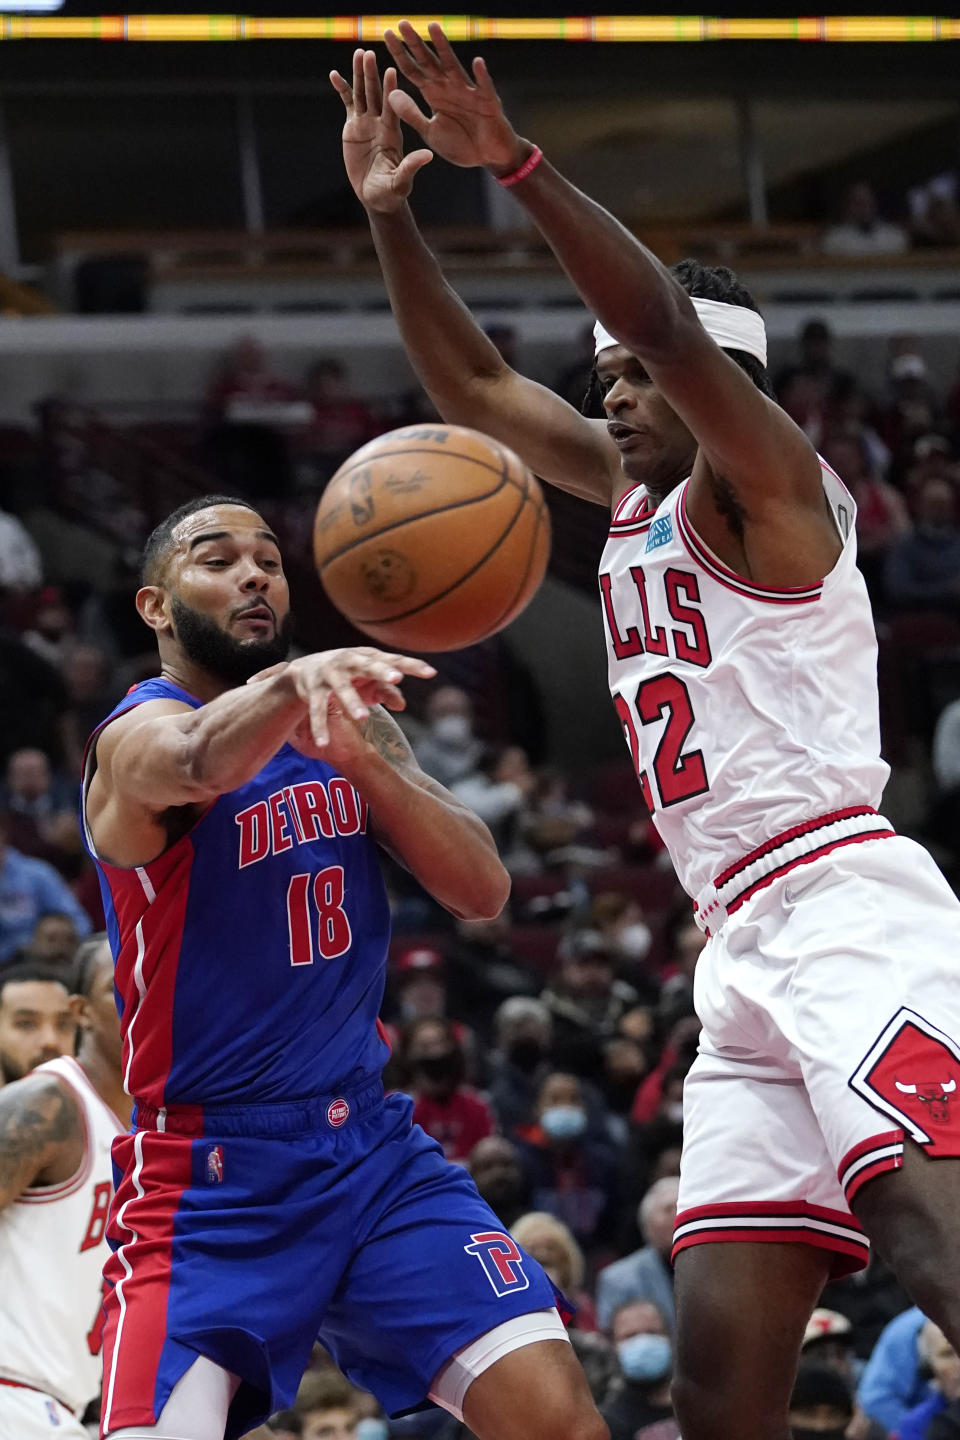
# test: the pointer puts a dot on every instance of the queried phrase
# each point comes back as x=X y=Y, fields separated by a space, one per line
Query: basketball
x=431 y=538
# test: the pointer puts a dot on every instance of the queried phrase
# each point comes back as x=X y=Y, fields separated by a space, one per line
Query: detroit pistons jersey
x=52 y=1248
x=250 y=956
x=748 y=710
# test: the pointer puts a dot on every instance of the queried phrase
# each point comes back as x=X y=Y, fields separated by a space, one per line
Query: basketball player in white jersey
x=824 y=1106
x=56 y=1129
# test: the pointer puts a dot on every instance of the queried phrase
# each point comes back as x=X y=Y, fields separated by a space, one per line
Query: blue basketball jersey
x=250 y=956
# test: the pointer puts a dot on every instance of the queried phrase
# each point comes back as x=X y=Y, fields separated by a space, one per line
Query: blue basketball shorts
x=245 y=1234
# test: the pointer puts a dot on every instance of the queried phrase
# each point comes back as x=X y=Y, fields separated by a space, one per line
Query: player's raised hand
x=381 y=175
x=468 y=126
x=345 y=683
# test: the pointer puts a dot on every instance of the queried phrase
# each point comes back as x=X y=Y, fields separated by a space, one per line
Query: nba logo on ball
x=215 y=1165
x=337 y=1112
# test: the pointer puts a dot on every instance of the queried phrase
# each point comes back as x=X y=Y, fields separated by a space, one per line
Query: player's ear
x=152 y=608
x=79 y=1011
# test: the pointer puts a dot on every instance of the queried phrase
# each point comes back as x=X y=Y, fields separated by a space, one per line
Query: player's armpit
x=41 y=1135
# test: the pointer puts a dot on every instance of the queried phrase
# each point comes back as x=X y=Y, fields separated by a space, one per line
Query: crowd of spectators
x=930 y=218
x=545 y=1050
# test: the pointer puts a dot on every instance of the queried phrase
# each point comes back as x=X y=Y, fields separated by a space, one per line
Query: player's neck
x=105 y=1079
x=192 y=678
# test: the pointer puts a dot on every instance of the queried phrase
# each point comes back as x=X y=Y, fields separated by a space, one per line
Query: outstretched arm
x=458 y=366
x=744 y=438
x=41 y=1135
x=428 y=830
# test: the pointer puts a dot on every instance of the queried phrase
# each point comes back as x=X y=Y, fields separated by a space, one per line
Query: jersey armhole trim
x=729 y=579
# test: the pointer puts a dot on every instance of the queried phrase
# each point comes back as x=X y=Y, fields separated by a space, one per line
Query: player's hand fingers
x=359 y=90
x=482 y=79
x=343 y=90
x=410 y=666
x=338 y=683
x=446 y=59
x=317 y=702
x=408 y=167
x=402 y=58
x=390 y=698
x=418 y=48
x=406 y=108
x=371 y=82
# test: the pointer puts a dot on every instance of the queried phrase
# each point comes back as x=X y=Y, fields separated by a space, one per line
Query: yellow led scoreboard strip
x=369 y=28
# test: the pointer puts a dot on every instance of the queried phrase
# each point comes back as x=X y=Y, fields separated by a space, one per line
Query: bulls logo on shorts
x=912 y=1074
x=502 y=1261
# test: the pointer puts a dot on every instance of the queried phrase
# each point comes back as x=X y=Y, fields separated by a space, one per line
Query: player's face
x=229 y=603
x=98 y=1010
x=656 y=448
x=36 y=1024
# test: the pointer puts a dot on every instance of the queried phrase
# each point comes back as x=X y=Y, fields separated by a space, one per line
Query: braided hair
x=703 y=282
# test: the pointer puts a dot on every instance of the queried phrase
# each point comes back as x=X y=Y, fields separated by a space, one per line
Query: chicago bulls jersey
x=52 y=1248
x=250 y=956
x=748 y=710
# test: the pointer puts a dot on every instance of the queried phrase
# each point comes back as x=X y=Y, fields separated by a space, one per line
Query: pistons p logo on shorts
x=911 y=1074
x=501 y=1260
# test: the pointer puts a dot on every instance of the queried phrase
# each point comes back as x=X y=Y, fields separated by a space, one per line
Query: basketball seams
x=506 y=613
x=460 y=580
x=504 y=479
x=503 y=470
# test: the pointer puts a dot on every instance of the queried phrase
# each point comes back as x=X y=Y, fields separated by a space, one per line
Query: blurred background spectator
x=861 y=229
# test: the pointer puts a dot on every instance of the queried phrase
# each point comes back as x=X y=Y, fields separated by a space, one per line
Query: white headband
x=734 y=327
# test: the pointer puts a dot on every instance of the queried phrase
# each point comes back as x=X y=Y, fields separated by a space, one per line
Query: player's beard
x=216 y=651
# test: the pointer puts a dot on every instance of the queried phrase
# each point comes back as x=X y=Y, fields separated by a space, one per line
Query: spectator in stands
x=340 y=421
x=54 y=943
x=554 y=824
x=41 y=810
x=937 y=1416
x=499 y=791
x=34 y=699
x=449 y=750
x=638 y=1406
x=20 y=565
x=327 y=1405
x=624 y=1066
x=586 y=1001
x=552 y=1243
x=30 y=888
x=453 y=1113
x=828 y=1340
x=934 y=214
x=923 y=569
x=882 y=515
x=945 y=816
x=646 y=1274
x=37 y=1020
x=50 y=627
x=805 y=387
x=498 y=1175
x=419 y=985
x=821 y=1406
x=483 y=970
x=248 y=405
x=572 y=1170
x=895 y=1378
x=520 y=1063
x=862 y=230
x=620 y=922
x=911 y=407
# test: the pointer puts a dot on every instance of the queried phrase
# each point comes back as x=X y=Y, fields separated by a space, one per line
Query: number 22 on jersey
x=675 y=774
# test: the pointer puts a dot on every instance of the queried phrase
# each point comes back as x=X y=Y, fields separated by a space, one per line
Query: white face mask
x=673 y=1110
x=634 y=940
x=452 y=730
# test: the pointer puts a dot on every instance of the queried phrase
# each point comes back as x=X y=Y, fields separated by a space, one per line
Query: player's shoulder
x=120 y=724
x=43 y=1107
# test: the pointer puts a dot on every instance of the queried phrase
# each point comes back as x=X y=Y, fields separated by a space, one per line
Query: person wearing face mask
x=523 y=1034
x=454 y=1114
x=572 y=1168
x=821 y=1406
x=645 y=1275
x=637 y=1405
x=586 y=1001
x=448 y=749
x=619 y=920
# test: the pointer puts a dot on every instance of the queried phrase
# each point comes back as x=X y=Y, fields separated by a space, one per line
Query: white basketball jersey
x=52 y=1248
x=747 y=710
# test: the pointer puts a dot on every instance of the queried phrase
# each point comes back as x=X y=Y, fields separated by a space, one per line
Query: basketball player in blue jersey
x=268 y=1192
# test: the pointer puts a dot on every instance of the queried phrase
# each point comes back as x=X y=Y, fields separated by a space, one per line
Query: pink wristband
x=527 y=168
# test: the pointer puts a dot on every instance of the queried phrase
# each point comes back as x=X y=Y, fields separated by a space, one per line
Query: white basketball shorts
x=29 y=1415
x=830 y=1005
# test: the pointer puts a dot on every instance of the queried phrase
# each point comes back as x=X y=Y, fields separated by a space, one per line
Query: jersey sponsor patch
x=660 y=533
x=502 y=1261
x=912 y=1074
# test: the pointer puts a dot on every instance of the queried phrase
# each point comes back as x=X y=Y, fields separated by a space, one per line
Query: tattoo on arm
x=36 y=1116
x=386 y=737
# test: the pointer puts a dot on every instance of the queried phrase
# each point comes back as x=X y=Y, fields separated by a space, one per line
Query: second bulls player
x=823 y=1107
x=269 y=1191
x=56 y=1129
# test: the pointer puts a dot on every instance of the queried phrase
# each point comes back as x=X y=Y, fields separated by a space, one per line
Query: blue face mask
x=564 y=1122
x=645 y=1358
x=370 y=1428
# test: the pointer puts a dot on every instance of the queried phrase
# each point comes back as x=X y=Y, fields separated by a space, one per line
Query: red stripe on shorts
x=157 y=1170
